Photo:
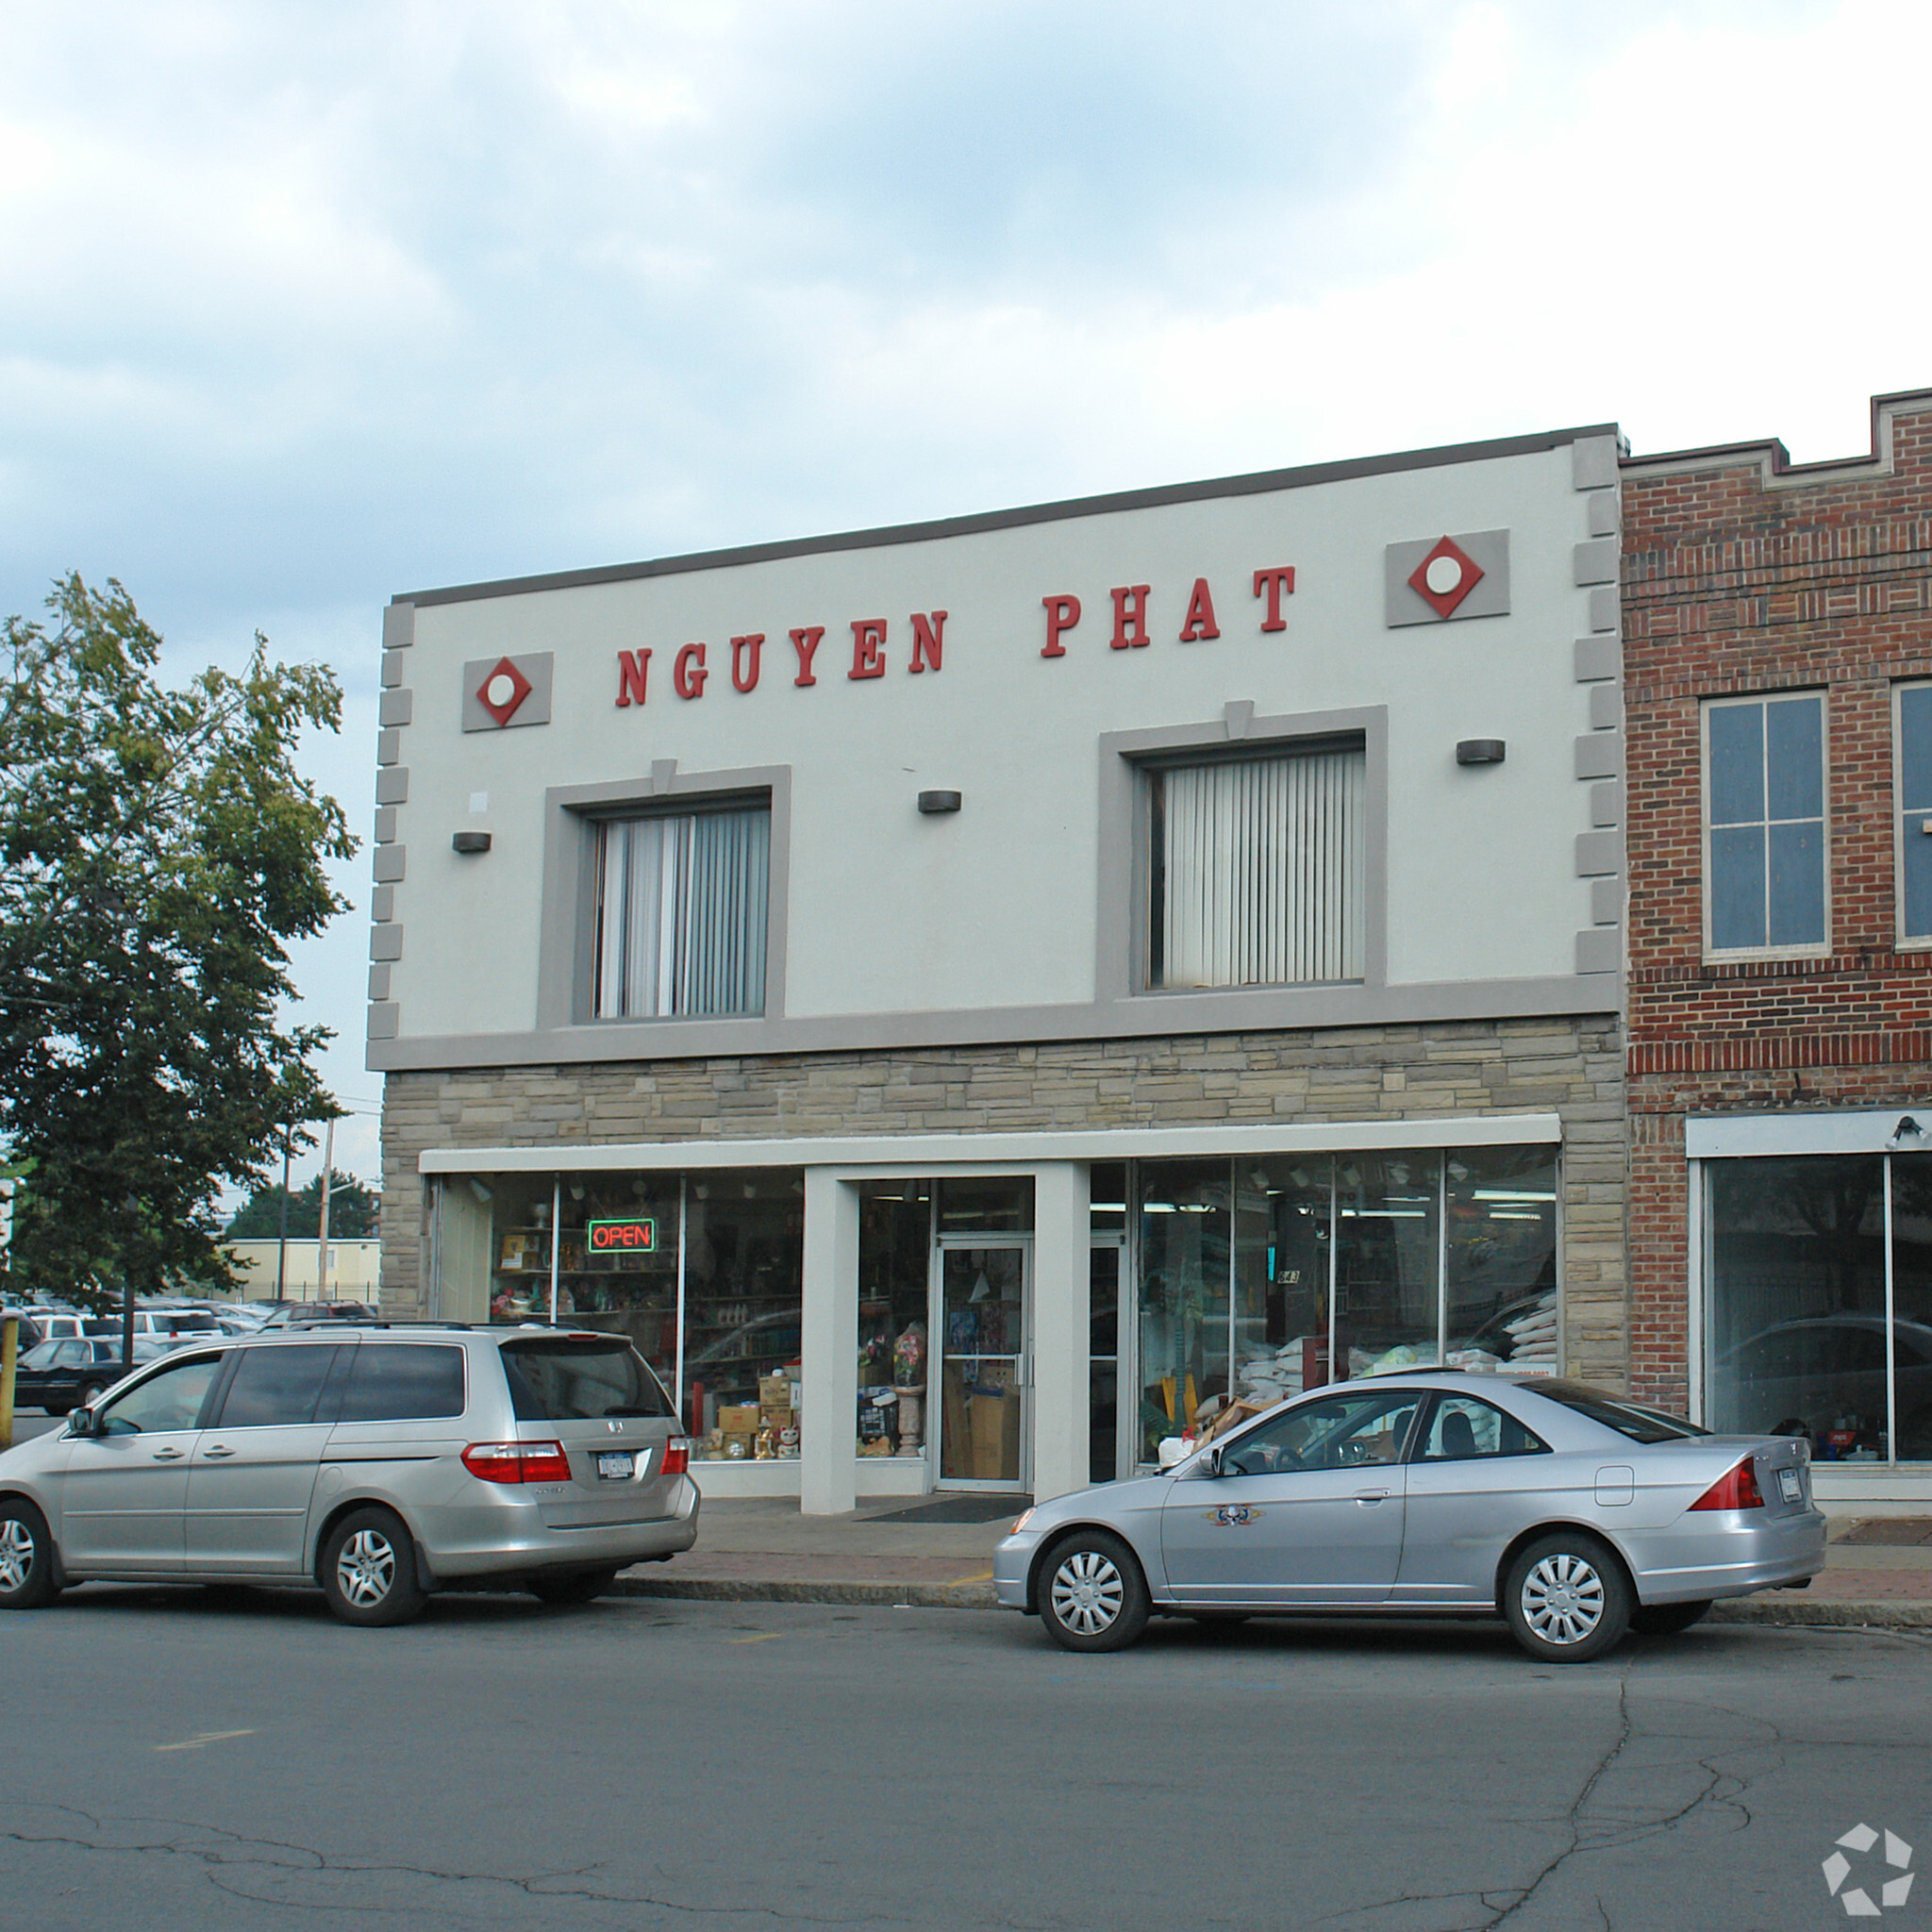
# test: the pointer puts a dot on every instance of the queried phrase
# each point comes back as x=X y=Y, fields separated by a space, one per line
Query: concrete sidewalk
x=761 y=1550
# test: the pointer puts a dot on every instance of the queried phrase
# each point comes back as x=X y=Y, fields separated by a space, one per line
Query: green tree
x=157 y=848
x=352 y=1211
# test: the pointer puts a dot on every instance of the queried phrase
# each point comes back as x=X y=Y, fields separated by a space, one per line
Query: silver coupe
x=1574 y=1515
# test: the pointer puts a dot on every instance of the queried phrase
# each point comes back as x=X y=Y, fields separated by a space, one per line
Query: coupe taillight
x=517 y=1462
x=1737 y=1491
x=677 y=1455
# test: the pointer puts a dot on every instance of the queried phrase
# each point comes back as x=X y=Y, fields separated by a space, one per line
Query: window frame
x=1125 y=858
x=1901 y=940
x=1807 y=949
x=567 y=941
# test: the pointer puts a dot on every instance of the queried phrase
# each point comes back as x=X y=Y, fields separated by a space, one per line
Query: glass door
x=1105 y=1299
x=983 y=1364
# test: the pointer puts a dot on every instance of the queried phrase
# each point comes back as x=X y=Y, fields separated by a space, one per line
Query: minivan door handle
x=170 y=1454
x=218 y=1450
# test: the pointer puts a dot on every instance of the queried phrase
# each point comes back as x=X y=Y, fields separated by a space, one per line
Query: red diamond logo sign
x=506 y=687
x=1445 y=577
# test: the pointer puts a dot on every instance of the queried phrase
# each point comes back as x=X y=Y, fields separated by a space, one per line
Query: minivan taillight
x=517 y=1462
x=677 y=1455
x=1737 y=1491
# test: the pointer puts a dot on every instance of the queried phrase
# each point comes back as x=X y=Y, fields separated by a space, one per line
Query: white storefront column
x=1060 y=1340
x=829 y=1345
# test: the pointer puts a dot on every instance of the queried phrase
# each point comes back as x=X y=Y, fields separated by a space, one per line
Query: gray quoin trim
x=1598 y=664
x=1147 y=1016
x=1255 y=484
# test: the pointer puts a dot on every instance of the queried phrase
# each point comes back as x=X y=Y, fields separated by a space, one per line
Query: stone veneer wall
x=1573 y=1067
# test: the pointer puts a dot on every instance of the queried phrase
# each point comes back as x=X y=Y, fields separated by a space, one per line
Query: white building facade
x=969 y=999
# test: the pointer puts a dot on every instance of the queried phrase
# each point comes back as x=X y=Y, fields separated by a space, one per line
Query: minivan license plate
x=616 y=1466
x=1789 y=1486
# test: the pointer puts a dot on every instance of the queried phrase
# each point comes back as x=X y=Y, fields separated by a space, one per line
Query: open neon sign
x=634 y=1235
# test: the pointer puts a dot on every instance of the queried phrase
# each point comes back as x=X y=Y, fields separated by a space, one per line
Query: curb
x=1825 y=1614
x=918 y=1597
x=980 y=1596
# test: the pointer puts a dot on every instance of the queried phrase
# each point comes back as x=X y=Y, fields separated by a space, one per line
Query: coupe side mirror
x=80 y=1421
x=1213 y=1463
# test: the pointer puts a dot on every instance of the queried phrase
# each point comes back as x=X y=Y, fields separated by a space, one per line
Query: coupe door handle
x=169 y=1455
x=216 y=1452
x=1372 y=1495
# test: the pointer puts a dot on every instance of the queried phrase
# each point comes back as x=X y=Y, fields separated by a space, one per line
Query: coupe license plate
x=616 y=1466
x=1789 y=1485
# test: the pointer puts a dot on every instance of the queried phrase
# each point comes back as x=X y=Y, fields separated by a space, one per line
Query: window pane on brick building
x=1764 y=791
x=1915 y=811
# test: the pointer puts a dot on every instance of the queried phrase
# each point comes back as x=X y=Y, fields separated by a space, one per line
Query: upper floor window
x=1255 y=869
x=1913 y=797
x=1764 y=824
x=682 y=913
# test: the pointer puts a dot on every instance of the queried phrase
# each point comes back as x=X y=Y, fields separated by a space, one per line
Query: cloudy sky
x=302 y=305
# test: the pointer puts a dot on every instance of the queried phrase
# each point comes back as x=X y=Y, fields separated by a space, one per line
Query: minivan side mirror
x=83 y=1422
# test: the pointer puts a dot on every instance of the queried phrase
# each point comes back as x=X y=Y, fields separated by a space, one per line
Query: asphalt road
x=188 y=1761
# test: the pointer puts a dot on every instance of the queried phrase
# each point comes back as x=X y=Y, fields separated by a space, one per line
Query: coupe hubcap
x=1563 y=1599
x=1087 y=1592
x=366 y=1568
x=16 y=1554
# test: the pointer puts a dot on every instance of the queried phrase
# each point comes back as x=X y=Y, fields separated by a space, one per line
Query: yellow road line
x=206 y=1737
x=768 y=1636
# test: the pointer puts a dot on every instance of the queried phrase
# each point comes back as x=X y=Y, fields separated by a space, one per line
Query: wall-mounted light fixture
x=1907 y=1129
x=934 y=802
x=1479 y=751
x=469 y=841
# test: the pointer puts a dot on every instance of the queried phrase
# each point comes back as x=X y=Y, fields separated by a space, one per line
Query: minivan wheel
x=26 y=1558
x=369 y=1570
x=1666 y=1619
x=1566 y=1599
x=1091 y=1593
x=574 y=1587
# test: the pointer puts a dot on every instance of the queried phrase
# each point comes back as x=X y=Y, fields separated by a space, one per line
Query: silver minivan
x=382 y=1463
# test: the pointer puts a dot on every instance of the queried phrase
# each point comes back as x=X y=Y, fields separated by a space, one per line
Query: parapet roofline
x=1773 y=460
x=1257 y=483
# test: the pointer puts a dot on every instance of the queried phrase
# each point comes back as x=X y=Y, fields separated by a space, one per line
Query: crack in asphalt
x=1724 y=1787
x=232 y=1853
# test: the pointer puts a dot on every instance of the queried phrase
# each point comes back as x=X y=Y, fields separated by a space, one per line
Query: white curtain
x=681 y=914
x=1259 y=879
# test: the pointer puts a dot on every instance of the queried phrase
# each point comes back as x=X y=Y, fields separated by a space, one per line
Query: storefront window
x=617 y=1262
x=1797 y=1268
x=1500 y=1257
x=743 y=1303
x=1387 y=1264
x=1911 y=1303
x=1282 y=1242
x=1002 y=1203
x=1184 y=1280
x=894 y=1289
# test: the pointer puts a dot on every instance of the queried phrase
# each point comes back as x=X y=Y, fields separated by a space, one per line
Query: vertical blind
x=681 y=913
x=1257 y=871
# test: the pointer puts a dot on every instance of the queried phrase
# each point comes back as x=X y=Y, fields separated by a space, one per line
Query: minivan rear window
x=1628 y=1419
x=403 y=1381
x=569 y=1379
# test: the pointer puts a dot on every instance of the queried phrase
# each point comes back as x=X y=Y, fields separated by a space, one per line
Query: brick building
x=1777 y=691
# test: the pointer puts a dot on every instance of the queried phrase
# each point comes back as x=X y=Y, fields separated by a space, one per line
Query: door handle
x=219 y=1450
x=1372 y=1495
x=169 y=1455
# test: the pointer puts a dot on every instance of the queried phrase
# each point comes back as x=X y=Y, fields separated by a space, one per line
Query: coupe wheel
x=1092 y=1595
x=26 y=1558
x=578 y=1587
x=1666 y=1619
x=369 y=1570
x=1566 y=1599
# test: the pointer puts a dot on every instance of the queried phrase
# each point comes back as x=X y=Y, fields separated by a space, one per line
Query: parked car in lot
x=381 y=1464
x=285 y=1314
x=60 y=1375
x=1573 y=1516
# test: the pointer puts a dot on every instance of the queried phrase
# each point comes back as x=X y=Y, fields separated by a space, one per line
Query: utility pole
x=282 y=1240
x=329 y=1156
